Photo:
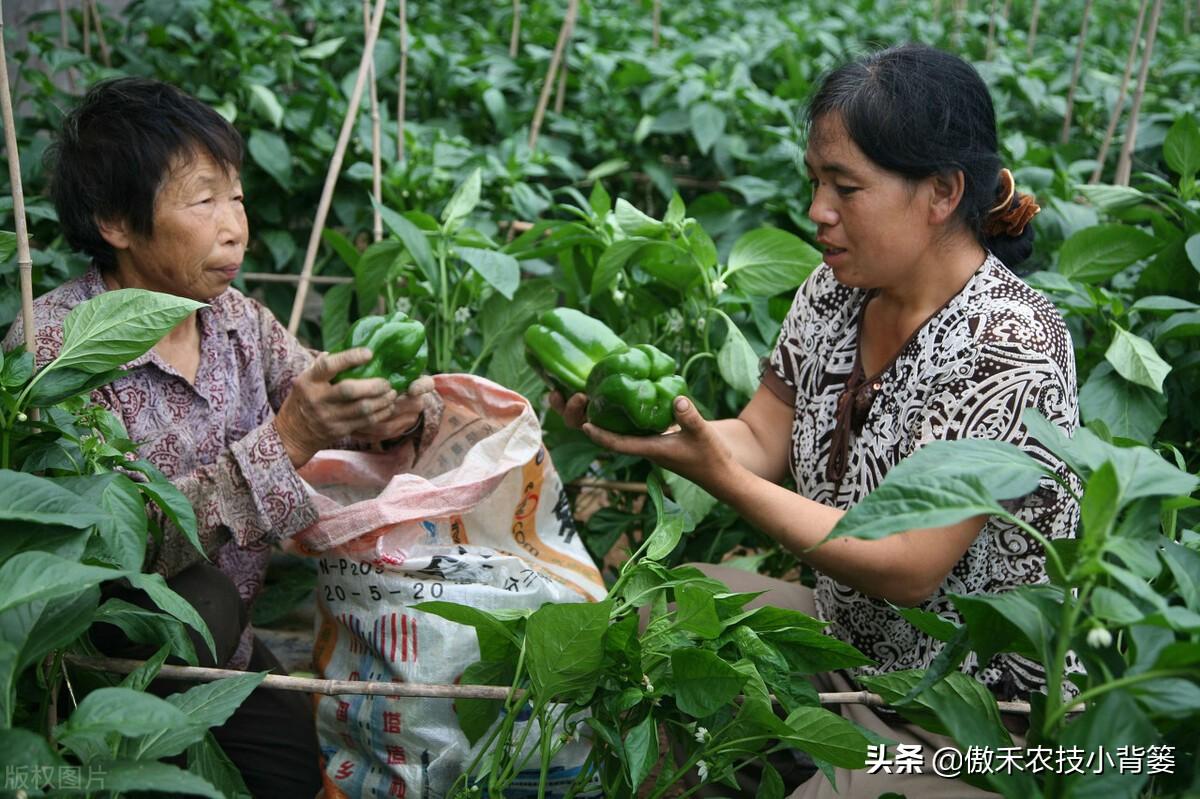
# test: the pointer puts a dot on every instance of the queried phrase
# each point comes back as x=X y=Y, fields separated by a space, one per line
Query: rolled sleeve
x=274 y=503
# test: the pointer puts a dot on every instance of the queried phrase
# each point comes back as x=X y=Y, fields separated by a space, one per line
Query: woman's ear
x=946 y=193
x=114 y=231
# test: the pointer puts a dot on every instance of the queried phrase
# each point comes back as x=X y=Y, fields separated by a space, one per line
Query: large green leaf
x=335 y=315
x=173 y=503
x=1128 y=410
x=633 y=222
x=123 y=711
x=115 y=327
x=33 y=576
x=205 y=705
x=708 y=123
x=148 y=627
x=38 y=500
x=827 y=736
x=894 y=507
x=612 y=261
x=1095 y=254
x=156 y=587
x=501 y=320
x=1136 y=360
x=160 y=779
x=62 y=383
x=736 y=360
x=1112 y=721
x=208 y=761
x=768 y=261
x=670 y=524
x=463 y=201
x=704 y=682
x=1023 y=620
x=270 y=152
x=564 y=648
x=265 y=101
x=499 y=269
x=413 y=239
x=26 y=750
x=641 y=749
x=1181 y=148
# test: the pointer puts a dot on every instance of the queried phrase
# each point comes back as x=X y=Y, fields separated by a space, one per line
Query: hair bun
x=1010 y=219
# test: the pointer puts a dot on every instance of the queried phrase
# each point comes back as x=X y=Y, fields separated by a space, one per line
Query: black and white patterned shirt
x=996 y=348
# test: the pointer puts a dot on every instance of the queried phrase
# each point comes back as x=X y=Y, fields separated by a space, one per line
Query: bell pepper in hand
x=565 y=344
x=397 y=344
x=634 y=392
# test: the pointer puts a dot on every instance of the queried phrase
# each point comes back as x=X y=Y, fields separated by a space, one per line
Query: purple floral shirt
x=214 y=439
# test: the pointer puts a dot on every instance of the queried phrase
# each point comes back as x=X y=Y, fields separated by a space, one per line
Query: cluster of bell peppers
x=631 y=390
x=397 y=344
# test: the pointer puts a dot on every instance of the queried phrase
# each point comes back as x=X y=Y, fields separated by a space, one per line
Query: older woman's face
x=199 y=237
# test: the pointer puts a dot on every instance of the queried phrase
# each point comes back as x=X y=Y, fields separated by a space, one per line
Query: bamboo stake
x=1033 y=25
x=87 y=29
x=376 y=134
x=1115 y=116
x=64 y=39
x=312 y=685
x=610 y=485
x=656 y=32
x=335 y=166
x=1075 y=70
x=960 y=14
x=24 y=260
x=276 y=277
x=104 y=53
x=544 y=98
x=402 y=94
x=991 y=34
x=560 y=96
x=514 y=41
x=1007 y=11
x=1125 y=160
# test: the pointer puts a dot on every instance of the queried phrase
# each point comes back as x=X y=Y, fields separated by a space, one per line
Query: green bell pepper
x=634 y=392
x=397 y=343
x=564 y=344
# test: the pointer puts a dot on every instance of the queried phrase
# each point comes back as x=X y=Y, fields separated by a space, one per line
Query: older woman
x=228 y=405
x=912 y=330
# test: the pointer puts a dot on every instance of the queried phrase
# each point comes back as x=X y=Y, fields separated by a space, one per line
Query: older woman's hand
x=317 y=412
x=420 y=399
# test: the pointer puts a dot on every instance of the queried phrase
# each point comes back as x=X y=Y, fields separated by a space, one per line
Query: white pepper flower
x=702 y=770
x=701 y=734
x=1099 y=638
x=462 y=314
x=404 y=305
x=719 y=287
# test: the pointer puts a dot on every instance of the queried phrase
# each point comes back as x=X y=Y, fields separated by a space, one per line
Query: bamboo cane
x=560 y=95
x=24 y=259
x=376 y=134
x=1075 y=70
x=991 y=34
x=1033 y=26
x=312 y=685
x=514 y=41
x=960 y=14
x=1125 y=159
x=402 y=89
x=335 y=166
x=64 y=39
x=87 y=29
x=656 y=32
x=544 y=98
x=283 y=277
x=1115 y=116
x=105 y=57
x=1007 y=11
x=610 y=485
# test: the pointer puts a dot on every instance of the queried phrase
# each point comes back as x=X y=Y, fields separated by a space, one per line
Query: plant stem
x=1055 y=707
x=1123 y=682
x=699 y=355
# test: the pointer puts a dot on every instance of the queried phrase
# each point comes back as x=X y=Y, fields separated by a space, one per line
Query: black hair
x=115 y=149
x=918 y=111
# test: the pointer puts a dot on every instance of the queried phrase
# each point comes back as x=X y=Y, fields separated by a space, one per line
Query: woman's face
x=200 y=233
x=873 y=224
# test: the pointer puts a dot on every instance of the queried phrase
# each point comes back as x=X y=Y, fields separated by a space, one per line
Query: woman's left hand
x=405 y=415
x=691 y=448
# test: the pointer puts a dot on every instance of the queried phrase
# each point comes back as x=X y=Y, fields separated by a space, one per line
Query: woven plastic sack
x=480 y=519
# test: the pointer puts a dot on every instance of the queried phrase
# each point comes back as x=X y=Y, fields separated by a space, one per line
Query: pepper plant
x=73 y=516
x=703 y=671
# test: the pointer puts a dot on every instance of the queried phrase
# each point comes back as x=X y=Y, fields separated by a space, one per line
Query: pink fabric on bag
x=496 y=428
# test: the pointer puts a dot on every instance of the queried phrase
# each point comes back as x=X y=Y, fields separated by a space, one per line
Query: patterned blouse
x=214 y=439
x=994 y=349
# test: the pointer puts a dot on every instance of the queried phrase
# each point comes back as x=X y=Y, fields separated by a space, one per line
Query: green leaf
x=1114 y=608
x=265 y=101
x=501 y=320
x=33 y=576
x=173 y=503
x=670 y=524
x=827 y=736
x=769 y=261
x=599 y=200
x=115 y=327
x=894 y=507
x=1024 y=620
x=120 y=710
x=736 y=360
x=1165 y=304
x=612 y=261
x=141 y=677
x=148 y=627
x=770 y=786
x=476 y=716
x=342 y=246
x=694 y=500
x=1136 y=360
x=271 y=152
x=413 y=239
x=641 y=749
x=708 y=123
x=208 y=761
x=696 y=613
x=335 y=314
x=205 y=705
x=161 y=778
x=755 y=190
x=26 y=750
x=8 y=244
x=63 y=383
x=499 y=269
x=321 y=50
x=929 y=623
x=1102 y=501
x=29 y=498
x=464 y=200
x=371 y=273
x=1095 y=254
x=471 y=616
x=1128 y=410
x=564 y=648
x=633 y=222
x=166 y=599
x=1111 y=198
x=1113 y=720
x=1181 y=148
x=1193 y=250
x=704 y=683
x=1184 y=564
x=1179 y=325
x=676 y=210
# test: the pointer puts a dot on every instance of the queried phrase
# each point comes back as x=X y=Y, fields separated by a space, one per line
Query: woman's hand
x=317 y=413
x=692 y=448
x=406 y=413
x=572 y=410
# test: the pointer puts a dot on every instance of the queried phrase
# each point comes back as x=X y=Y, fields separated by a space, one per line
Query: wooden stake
x=24 y=260
x=1125 y=160
x=960 y=14
x=64 y=39
x=560 y=95
x=284 y=277
x=991 y=34
x=87 y=29
x=514 y=41
x=1033 y=23
x=1075 y=70
x=1115 y=116
x=335 y=166
x=402 y=94
x=656 y=33
x=105 y=57
x=1007 y=10
x=376 y=134
x=539 y=113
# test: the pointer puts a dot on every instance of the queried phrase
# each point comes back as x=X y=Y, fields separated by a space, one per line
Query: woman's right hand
x=573 y=410
x=317 y=412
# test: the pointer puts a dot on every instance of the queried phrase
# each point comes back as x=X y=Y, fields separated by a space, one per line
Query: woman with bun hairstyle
x=914 y=329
